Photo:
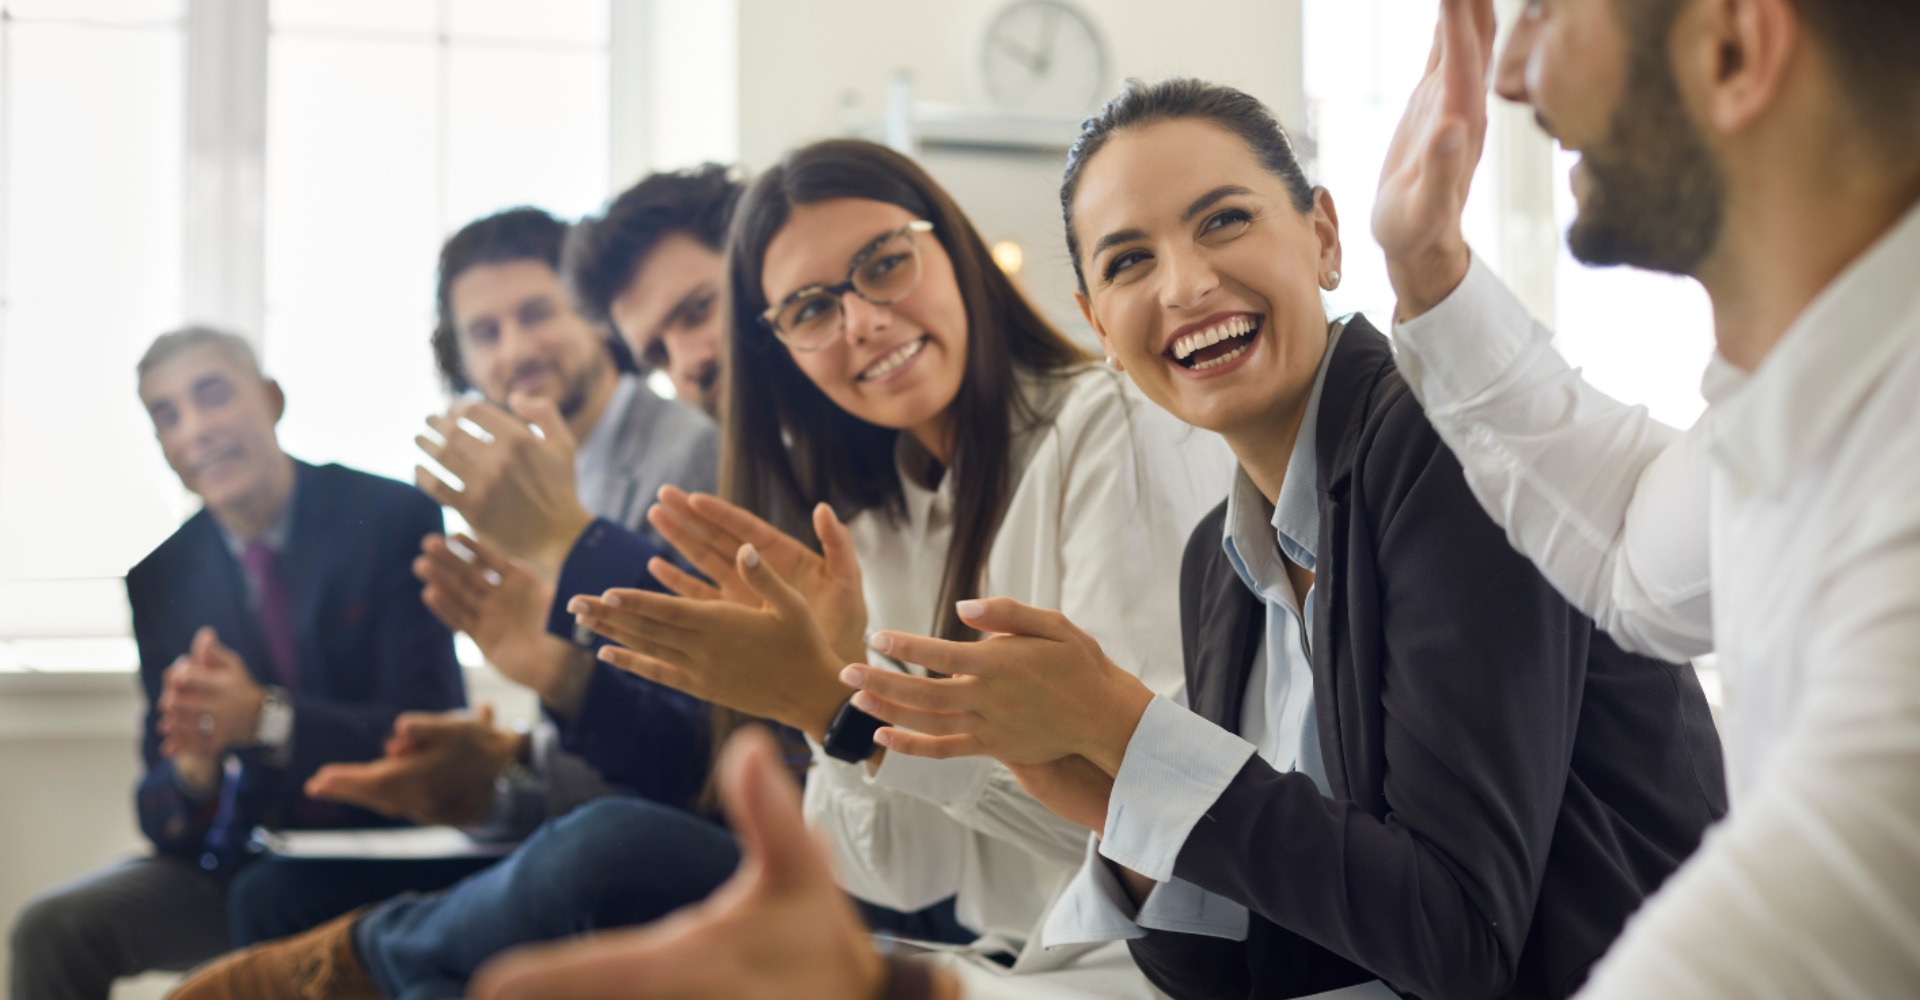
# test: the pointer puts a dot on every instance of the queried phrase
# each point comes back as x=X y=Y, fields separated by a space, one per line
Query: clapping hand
x=517 y=486
x=1429 y=166
x=439 y=768
x=769 y=660
x=1035 y=690
x=503 y=606
x=709 y=531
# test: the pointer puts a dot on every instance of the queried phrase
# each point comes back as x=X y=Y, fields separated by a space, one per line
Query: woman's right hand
x=709 y=532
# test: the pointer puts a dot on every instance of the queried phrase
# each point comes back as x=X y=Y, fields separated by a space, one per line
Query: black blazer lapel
x=1221 y=661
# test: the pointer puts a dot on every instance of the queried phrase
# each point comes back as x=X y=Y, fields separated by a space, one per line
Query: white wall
x=809 y=69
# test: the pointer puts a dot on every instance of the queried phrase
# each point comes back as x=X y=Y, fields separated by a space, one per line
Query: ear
x=276 y=399
x=1326 y=226
x=1739 y=54
x=1100 y=331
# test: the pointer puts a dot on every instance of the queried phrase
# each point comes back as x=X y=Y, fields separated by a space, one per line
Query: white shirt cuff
x=1095 y=907
x=1176 y=767
x=1469 y=343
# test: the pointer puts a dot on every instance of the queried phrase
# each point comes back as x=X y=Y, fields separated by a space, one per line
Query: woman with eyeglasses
x=885 y=371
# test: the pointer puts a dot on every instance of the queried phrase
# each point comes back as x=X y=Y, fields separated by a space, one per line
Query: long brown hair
x=787 y=447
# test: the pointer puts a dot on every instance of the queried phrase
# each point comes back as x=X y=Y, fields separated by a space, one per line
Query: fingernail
x=576 y=606
x=751 y=557
x=611 y=600
x=605 y=654
x=883 y=736
x=881 y=641
x=851 y=675
x=971 y=609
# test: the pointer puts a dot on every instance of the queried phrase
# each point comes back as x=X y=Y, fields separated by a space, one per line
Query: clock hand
x=1032 y=60
x=1049 y=31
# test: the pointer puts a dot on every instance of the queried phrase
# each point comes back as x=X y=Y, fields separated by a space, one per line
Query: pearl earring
x=1333 y=280
x=1113 y=363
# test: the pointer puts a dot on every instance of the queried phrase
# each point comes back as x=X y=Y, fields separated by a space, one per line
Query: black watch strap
x=850 y=734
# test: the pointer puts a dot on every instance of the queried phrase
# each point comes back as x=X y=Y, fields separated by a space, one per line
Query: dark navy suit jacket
x=366 y=647
x=646 y=738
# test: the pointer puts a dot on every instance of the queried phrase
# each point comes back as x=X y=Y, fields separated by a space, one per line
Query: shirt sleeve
x=605 y=556
x=1095 y=907
x=1176 y=767
x=1608 y=502
x=1811 y=888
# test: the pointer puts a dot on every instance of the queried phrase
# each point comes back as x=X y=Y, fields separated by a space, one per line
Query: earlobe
x=1106 y=347
x=277 y=398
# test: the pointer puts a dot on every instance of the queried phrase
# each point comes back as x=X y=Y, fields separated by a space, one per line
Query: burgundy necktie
x=275 y=622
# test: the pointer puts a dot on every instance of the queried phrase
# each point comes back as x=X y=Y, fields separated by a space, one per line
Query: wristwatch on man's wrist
x=274 y=730
x=850 y=734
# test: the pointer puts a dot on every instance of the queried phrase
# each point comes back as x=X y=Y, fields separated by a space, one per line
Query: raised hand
x=780 y=927
x=209 y=703
x=1035 y=690
x=709 y=531
x=503 y=606
x=518 y=488
x=1429 y=167
x=439 y=768
x=770 y=660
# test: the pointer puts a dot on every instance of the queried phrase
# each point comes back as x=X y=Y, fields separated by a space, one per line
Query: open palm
x=1429 y=166
x=709 y=532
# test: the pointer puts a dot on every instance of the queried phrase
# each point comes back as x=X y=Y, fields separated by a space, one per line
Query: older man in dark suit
x=279 y=629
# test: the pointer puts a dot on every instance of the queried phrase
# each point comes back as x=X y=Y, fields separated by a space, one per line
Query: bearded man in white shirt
x=1770 y=149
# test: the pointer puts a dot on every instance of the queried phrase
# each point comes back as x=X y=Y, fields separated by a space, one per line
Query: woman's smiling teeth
x=892 y=360
x=1188 y=350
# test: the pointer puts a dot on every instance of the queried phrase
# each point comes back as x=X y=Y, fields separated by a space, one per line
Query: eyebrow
x=1209 y=199
x=704 y=290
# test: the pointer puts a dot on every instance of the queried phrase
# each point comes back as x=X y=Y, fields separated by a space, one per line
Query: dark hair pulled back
x=1140 y=104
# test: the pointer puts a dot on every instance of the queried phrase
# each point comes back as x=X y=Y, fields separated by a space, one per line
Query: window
x=90 y=270
x=389 y=123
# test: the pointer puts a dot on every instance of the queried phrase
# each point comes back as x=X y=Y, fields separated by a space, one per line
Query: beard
x=1655 y=196
x=574 y=398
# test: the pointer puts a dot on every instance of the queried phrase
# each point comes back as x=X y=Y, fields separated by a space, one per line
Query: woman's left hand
x=1038 y=690
x=771 y=661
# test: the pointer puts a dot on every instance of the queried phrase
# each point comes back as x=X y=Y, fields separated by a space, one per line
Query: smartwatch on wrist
x=274 y=730
x=850 y=734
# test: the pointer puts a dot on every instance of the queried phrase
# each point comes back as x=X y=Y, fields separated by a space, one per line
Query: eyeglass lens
x=887 y=274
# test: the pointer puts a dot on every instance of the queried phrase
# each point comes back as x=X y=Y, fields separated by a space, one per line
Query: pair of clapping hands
x=208 y=704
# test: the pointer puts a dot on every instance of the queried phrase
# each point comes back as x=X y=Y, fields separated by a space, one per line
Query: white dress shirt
x=1178 y=763
x=1783 y=532
x=1095 y=527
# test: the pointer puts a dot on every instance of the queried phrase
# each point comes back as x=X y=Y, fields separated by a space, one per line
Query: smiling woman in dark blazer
x=1406 y=757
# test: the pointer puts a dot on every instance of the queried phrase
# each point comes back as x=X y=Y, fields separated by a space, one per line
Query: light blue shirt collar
x=1294 y=521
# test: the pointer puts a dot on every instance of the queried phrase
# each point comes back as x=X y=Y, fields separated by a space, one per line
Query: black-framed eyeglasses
x=883 y=272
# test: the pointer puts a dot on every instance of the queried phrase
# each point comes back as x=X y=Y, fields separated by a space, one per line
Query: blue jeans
x=614 y=862
x=272 y=898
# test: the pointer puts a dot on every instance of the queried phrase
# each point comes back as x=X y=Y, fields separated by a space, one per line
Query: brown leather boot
x=317 y=965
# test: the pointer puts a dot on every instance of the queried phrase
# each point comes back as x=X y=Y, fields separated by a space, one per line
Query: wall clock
x=1043 y=57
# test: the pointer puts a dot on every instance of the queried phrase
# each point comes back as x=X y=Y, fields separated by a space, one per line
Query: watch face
x=1043 y=57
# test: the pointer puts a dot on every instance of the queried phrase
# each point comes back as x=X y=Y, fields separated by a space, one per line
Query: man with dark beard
x=1770 y=149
